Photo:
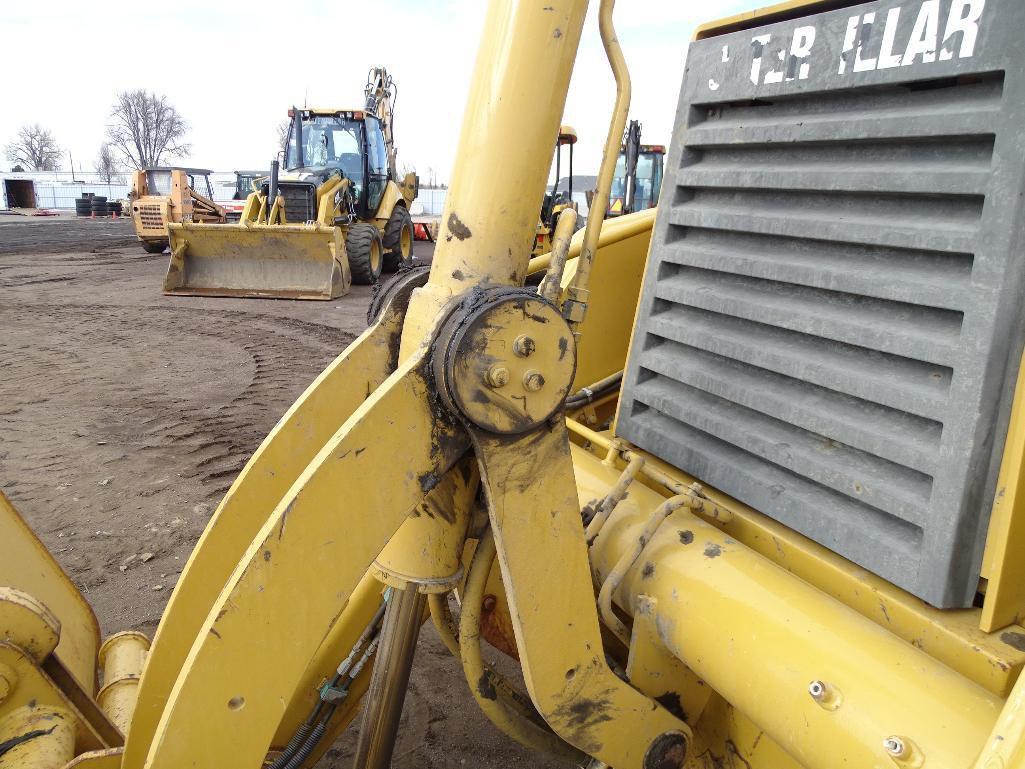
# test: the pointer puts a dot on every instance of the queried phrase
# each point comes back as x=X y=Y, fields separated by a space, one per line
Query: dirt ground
x=125 y=415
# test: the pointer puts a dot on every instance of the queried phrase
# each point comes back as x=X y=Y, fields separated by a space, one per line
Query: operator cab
x=350 y=142
x=245 y=183
x=650 y=162
x=158 y=181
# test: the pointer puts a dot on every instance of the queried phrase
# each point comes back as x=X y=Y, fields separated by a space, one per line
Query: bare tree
x=34 y=148
x=283 y=127
x=107 y=165
x=146 y=129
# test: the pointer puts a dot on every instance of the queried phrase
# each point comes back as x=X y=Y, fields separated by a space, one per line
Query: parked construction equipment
x=162 y=196
x=556 y=201
x=246 y=183
x=799 y=543
x=338 y=214
x=638 y=178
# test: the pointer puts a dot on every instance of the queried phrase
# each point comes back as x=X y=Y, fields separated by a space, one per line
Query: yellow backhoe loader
x=161 y=196
x=337 y=214
x=800 y=540
x=639 y=170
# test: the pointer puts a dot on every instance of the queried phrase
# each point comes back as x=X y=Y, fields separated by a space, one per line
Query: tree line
x=145 y=129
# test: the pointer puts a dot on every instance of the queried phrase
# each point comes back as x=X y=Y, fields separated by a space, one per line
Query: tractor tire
x=151 y=247
x=366 y=253
x=398 y=239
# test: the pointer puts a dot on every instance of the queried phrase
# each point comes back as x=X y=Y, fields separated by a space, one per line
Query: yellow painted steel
x=766 y=15
x=27 y=565
x=34 y=688
x=536 y=524
x=491 y=208
x=774 y=651
x=428 y=547
x=121 y=658
x=304 y=563
x=109 y=758
x=37 y=738
x=992 y=660
x=288 y=261
x=1005 y=748
x=292 y=444
x=362 y=604
x=615 y=286
x=760 y=637
x=1004 y=563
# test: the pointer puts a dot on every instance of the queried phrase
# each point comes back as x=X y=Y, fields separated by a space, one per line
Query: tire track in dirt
x=127 y=424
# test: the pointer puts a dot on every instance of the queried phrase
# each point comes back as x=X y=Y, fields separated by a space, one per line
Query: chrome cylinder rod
x=383 y=704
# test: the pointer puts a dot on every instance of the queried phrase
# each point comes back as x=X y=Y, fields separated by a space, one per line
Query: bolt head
x=894 y=746
x=533 y=381
x=817 y=690
x=524 y=346
x=497 y=376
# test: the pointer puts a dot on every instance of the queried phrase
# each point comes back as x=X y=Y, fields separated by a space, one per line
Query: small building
x=17 y=190
x=56 y=189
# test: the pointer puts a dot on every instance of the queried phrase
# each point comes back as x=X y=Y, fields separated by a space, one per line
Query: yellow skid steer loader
x=161 y=196
x=337 y=214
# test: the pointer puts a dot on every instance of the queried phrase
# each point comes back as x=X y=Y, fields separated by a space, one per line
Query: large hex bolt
x=497 y=376
x=533 y=380
x=524 y=346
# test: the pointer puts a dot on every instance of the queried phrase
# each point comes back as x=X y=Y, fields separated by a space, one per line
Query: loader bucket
x=288 y=261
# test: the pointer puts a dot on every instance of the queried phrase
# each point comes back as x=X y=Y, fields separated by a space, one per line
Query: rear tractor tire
x=398 y=239
x=365 y=250
x=153 y=247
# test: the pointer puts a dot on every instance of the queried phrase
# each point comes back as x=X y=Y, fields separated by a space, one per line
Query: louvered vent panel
x=829 y=321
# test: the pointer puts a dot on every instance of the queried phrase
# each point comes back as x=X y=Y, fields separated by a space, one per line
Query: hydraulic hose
x=592 y=392
x=629 y=558
x=613 y=498
x=575 y=307
x=509 y=710
x=311 y=731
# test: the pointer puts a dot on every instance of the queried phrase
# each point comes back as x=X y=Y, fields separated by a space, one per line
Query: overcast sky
x=233 y=68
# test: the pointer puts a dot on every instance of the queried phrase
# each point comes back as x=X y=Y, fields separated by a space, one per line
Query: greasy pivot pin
x=505 y=360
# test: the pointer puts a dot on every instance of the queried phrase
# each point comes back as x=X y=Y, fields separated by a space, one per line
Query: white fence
x=433 y=202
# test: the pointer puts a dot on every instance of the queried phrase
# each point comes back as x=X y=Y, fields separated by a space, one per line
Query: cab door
x=377 y=164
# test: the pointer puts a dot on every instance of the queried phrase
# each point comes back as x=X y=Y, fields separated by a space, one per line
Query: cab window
x=377 y=163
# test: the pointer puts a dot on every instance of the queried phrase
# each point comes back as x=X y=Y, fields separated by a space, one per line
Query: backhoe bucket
x=287 y=261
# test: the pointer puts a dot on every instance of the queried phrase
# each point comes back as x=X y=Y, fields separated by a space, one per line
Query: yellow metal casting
x=614 y=286
x=557 y=632
x=26 y=565
x=286 y=261
x=109 y=758
x=428 y=548
x=993 y=660
x=764 y=639
x=121 y=658
x=37 y=737
x=1004 y=565
x=292 y=444
x=312 y=550
x=476 y=246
